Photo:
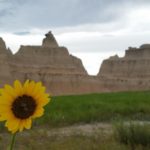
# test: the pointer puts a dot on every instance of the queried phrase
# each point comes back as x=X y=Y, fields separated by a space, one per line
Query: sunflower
x=22 y=103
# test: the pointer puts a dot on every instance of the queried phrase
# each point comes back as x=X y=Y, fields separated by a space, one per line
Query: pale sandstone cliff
x=60 y=72
x=131 y=72
x=64 y=74
x=5 y=76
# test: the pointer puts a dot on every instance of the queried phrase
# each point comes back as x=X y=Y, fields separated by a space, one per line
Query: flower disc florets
x=23 y=107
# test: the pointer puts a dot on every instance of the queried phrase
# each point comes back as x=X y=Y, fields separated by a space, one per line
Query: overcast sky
x=93 y=30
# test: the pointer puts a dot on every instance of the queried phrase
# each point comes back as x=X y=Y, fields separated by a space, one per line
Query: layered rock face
x=130 y=72
x=5 y=75
x=60 y=72
x=64 y=74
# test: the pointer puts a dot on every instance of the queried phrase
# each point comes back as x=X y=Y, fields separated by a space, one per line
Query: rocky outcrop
x=40 y=61
x=50 y=63
x=131 y=72
x=49 y=41
x=5 y=54
x=64 y=74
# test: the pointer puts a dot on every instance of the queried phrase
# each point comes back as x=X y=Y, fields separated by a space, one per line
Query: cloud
x=18 y=15
x=22 y=33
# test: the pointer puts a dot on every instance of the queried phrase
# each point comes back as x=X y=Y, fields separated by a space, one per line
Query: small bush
x=133 y=135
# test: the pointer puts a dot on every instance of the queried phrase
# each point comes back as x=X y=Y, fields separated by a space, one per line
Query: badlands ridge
x=64 y=74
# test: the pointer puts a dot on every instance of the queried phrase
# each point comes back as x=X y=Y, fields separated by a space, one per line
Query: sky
x=92 y=30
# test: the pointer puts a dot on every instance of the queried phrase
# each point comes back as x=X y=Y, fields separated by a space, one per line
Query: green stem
x=12 y=141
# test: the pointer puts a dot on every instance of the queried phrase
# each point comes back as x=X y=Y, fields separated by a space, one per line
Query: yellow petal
x=38 y=113
x=37 y=88
x=40 y=93
x=6 y=97
x=16 y=126
x=4 y=101
x=30 y=87
x=12 y=124
x=25 y=86
x=5 y=115
x=28 y=123
x=18 y=88
x=1 y=91
x=4 y=108
x=9 y=90
x=43 y=101
x=2 y=118
x=21 y=125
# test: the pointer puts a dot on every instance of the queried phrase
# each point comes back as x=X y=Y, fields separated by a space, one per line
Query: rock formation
x=50 y=40
x=64 y=74
x=130 y=72
x=50 y=63
x=5 y=76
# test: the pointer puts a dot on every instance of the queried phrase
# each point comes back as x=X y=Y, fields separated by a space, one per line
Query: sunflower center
x=23 y=107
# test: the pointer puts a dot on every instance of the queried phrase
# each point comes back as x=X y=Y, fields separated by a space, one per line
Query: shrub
x=133 y=135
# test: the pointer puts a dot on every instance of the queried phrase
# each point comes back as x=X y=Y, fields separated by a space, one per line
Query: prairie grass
x=105 y=107
x=42 y=138
x=133 y=135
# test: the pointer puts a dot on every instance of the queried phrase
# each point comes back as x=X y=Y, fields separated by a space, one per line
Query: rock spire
x=49 y=40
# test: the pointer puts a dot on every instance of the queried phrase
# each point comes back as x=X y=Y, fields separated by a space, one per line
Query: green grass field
x=105 y=107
